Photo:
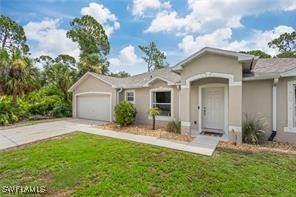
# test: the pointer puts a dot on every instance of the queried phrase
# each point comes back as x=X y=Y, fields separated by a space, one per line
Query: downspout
x=117 y=99
x=274 y=109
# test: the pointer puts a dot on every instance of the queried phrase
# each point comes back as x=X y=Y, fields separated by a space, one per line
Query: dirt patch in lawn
x=46 y=176
x=275 y=147
x=141 y=129
x=59 y=192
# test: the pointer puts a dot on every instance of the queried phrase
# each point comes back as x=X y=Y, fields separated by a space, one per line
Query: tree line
x=39 y=87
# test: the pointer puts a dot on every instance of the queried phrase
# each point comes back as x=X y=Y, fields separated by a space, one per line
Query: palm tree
x=4 y=62
x=154 y=111
x=20 y=76
x=61 y=75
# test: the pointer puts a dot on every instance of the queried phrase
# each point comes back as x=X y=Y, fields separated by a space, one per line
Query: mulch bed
x=274 y=147
x=146 y=130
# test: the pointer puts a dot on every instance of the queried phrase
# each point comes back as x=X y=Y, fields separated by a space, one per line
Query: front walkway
x=13 y=137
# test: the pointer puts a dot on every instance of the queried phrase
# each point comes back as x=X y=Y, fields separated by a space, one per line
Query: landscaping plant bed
x=275 y=147
x=142 y=129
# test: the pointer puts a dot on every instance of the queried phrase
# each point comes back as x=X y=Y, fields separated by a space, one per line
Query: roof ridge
x=166 y=68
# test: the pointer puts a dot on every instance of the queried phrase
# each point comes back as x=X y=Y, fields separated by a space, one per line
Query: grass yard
x=84 y=164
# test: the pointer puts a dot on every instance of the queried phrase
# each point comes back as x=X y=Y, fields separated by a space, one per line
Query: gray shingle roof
x=274 y=65
x=141 y=79
x=263 y=67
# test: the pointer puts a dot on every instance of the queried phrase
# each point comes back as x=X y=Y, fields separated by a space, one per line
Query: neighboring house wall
x=91 y=84
x=142 y=102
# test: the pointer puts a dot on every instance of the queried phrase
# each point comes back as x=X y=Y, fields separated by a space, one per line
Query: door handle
x=204 y=110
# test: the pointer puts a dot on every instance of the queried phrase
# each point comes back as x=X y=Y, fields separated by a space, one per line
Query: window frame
x=171 y=90
x=291 y=88
x=134 y=96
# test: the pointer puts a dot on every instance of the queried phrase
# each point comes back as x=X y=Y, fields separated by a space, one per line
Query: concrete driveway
x=13 y=137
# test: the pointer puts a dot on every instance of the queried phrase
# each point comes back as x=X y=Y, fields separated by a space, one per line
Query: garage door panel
x=94 y=107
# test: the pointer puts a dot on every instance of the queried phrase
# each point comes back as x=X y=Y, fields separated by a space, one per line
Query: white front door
x=212 y=111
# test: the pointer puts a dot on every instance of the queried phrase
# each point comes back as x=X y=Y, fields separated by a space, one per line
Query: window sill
x=165 y=118
x=290 y=129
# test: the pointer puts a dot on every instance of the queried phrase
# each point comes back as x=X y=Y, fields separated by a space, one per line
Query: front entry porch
x=214 y=108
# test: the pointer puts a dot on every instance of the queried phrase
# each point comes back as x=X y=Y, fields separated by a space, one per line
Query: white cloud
x=170 y=22
x=221 y=38
x=140 y=8
x=103 y=15
x=126 y=57
x=49 y=39
x=208 y=16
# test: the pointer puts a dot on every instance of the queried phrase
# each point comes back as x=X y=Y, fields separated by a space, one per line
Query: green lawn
x=92 y=165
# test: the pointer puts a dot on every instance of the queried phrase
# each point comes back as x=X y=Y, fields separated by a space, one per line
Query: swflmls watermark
x=17 y=189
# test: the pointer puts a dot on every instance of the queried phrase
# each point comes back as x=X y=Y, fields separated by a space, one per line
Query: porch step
x=212 y=132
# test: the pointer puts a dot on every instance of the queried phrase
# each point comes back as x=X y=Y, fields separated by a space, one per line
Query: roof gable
x=158 y=78
x=84 y=77
x=208 y=50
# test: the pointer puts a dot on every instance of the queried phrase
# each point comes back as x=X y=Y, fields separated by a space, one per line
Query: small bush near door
x=174 y=127
x=125 y=113
x=253 y=129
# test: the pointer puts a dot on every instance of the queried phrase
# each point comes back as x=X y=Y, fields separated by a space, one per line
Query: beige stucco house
x=210 y=90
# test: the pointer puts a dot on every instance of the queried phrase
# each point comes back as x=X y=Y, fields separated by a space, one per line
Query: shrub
x=125 y=113
x=253 y=129
x=48 y=101
x=45 y=105
x=9 y=114
x=64 y=109
x=174 y=127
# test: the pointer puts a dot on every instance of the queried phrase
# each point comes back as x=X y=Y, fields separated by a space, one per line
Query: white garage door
x=94 y=107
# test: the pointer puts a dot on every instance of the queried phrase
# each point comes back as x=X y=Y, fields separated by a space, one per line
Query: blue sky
x=178 y=27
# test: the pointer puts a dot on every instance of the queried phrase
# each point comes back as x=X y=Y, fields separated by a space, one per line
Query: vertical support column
x=235 y=112
x=184 y=110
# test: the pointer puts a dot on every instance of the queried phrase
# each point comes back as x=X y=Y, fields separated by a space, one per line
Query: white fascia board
x=84 y=77
x=160 y=78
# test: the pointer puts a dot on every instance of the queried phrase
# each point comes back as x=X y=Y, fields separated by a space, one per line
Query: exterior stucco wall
x=142 y=102
x=257 y=98
x=213 y=63
x=92 y=84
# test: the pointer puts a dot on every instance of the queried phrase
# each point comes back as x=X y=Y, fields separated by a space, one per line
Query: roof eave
x=262 y=77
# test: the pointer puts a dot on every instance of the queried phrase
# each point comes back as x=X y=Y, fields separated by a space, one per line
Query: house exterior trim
x=291 y=95
x=128 y=91
x=160 y=89
x=212 y=74
x=225 y=86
